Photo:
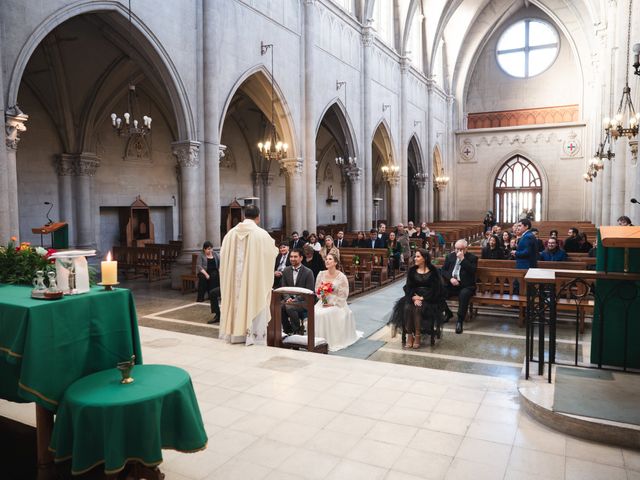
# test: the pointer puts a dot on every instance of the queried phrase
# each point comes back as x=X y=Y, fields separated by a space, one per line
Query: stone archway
x=69 y=93
x=339 y=172
x=386 y=176
x=247 y=118
x=417 y=180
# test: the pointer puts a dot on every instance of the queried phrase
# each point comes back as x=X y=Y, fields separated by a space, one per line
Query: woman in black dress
x=419 y=311
x=312 y=260
x=209 y=278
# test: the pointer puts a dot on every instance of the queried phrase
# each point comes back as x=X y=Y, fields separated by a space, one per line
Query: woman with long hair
x=493 y=251
x=395 y=250
x=420 y=310
x=328 y=247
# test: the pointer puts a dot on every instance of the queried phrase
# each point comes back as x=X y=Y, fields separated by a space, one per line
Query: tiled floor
x=280 y=414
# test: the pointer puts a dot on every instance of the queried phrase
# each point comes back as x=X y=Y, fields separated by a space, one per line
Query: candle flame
x=109 y=256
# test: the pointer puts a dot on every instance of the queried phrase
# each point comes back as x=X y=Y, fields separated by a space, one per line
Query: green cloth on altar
x=101 y=420
x=46 y=345
x=614 y=310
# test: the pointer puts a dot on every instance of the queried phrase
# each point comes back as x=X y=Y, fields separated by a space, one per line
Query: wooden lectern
x=59 y=232
x=618 y=301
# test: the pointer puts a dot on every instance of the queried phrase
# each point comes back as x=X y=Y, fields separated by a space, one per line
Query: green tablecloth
x=102 y=421
x=46 y=345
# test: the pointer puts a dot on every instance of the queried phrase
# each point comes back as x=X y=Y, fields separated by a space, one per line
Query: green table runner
x=101 y=420
x=46 y=345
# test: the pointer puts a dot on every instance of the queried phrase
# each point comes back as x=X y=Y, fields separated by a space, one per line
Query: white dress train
x=336 y=324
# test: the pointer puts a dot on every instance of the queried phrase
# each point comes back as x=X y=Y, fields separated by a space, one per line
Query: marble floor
x=280 y=414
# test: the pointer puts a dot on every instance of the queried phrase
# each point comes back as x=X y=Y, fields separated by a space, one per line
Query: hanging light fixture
x=625 y=122
x=128 y=125
x=271 y=148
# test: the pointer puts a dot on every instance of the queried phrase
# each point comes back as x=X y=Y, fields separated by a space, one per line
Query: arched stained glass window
x=517 y=189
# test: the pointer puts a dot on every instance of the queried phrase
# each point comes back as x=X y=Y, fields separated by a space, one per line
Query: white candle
x=109 y=271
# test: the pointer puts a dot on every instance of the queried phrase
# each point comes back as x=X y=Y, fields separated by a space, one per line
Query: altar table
x=46 y=345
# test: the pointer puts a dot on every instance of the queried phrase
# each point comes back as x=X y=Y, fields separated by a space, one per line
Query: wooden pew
x=189 y=281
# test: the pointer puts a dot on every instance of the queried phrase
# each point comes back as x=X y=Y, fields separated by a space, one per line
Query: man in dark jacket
x=295 y=275
x=552 y=253
x=572 y=244
x=526 y=254
x=459 y=271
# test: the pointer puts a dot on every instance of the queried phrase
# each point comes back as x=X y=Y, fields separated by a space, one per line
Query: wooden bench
x=551 y=265
x=308 y=342
x=189 y=281
x=139 y=261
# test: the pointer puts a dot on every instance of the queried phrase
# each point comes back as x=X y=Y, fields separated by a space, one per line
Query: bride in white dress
x=334 y=320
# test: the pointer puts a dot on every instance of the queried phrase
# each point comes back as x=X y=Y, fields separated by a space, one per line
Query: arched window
x=518 y=189
x=415 y=40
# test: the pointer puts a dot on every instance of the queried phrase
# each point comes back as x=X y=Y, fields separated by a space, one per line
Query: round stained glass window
x=527 y=48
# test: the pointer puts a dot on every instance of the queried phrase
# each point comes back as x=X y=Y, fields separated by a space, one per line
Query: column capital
x=354 y=173
x=420 y=180
x=263 y=177
x=186 y=152
x=221 y=151
x=405 y=64
x=291 y=166
x=65 y=164
x=14 y=124
x=86 y=164
x=368 y=34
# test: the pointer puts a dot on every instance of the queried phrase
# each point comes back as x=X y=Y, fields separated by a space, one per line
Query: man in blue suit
x=526 y=254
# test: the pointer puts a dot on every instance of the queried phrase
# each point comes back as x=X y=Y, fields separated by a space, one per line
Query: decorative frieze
x=354 y=173
x=292 y=167
x=86 y=165
x=65 y=165
x=525 y=116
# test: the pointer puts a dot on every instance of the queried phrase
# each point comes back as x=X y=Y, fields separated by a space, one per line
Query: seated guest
x=459 y=272
x=295 y=275
x=209 y=278
x=340 y=241
x=485 y=240
x=374 y=240
x=296 y=241
x=361 y=241
x=395 y=251
x=421 y=236
x=571 y=244
x=624 y=221
x=505 y=239
x=313 y=241
x=496 y=230
x=321 y=237
x=489 y=220
x=584 y=245
x=282 y=261
x=405 y=245
x=334 y=319
x=420 y=309
x=513 y=246
x=553 y=253
x=539 y=243
x=305 y=236
x=554 y=234
x=312 y=260
x=328 y=247
x=382 y=235
x=425 y=230
x=410 y=229
x=493 y=251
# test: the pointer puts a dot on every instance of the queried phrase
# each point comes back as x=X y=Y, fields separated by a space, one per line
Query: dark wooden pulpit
x=59 y=232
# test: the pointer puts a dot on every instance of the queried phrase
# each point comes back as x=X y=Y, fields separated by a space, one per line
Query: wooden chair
x=189 y=281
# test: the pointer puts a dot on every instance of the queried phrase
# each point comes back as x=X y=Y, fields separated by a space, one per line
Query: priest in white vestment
x=247 y=256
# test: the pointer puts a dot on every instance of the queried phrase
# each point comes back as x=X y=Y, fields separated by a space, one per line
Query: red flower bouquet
x=324 y=290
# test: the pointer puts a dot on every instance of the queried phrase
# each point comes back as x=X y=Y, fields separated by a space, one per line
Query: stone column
x=293 y=171
x=211 y=80
x=14 y=124
x=606 y=193
x=309 y=66
x=429 y=155
x=597 y=216
x=618 y=174
x=187 y=155
x=262 y=186
x=395 y=207
x=367 y=59
x=420 y=181
x=86 y=165
x=66 y=170
x=354 y=216
x=405 y=63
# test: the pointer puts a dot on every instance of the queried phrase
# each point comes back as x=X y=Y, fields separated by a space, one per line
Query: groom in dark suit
x=295 y=275
x=459 y=272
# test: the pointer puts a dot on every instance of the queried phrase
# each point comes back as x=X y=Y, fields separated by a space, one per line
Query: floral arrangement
x=356 y=260
x=324 y=290
x=19 y=263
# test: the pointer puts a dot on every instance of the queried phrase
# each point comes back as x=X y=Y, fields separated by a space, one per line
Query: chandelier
x=128 y=125
x=271 y=148
x=442 y=181
x=625 y=122
x=391 y=173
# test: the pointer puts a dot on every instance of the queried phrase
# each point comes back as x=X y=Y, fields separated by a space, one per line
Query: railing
x=549 y=291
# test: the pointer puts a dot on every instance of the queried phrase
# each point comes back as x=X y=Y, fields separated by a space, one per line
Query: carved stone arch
x=414 y=143
x=438 y=166
x=345 y=123
x=146 y=43
x=256 y=84
x=385 y=130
